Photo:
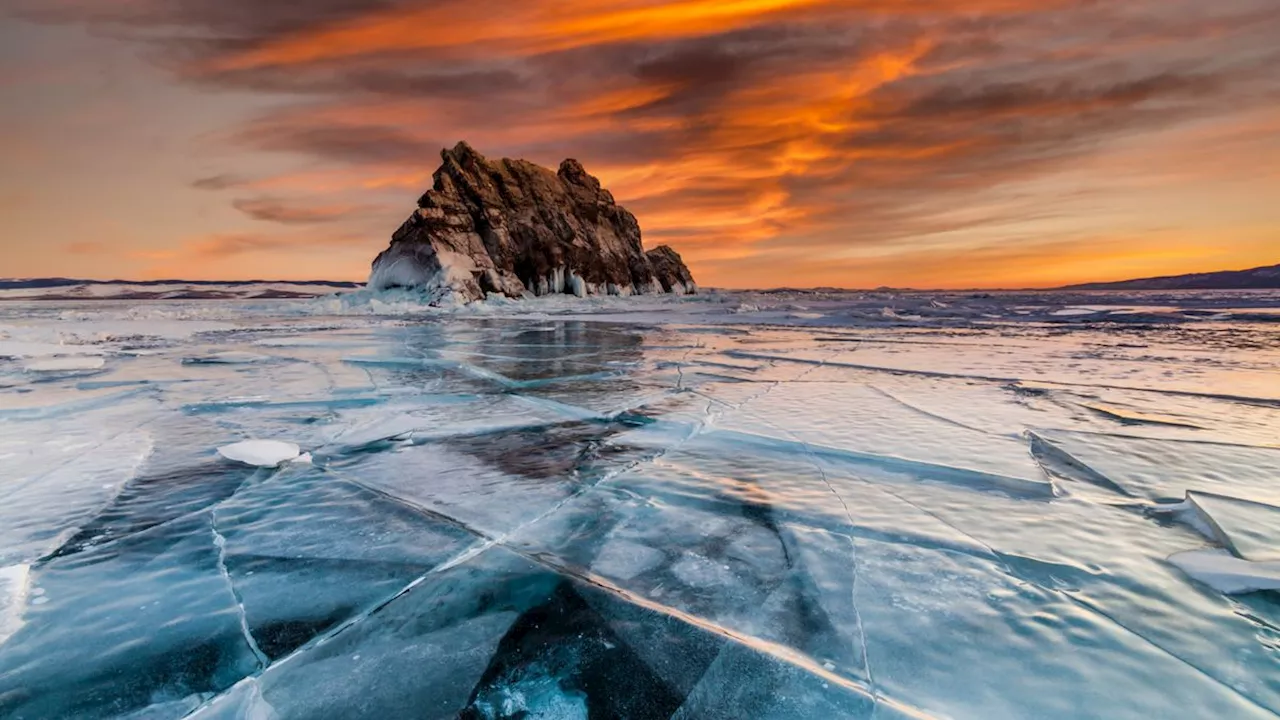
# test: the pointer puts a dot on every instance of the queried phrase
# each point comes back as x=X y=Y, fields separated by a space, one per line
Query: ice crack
x=221 y=543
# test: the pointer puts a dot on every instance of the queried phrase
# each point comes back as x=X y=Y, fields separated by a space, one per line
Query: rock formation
x=515 y=228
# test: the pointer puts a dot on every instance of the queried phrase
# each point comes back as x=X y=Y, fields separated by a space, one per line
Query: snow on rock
x=261 y=453
x=1224 y=572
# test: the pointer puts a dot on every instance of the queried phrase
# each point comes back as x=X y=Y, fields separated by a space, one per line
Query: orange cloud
x=833 y=138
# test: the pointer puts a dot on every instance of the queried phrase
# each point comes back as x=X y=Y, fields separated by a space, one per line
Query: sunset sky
x=853 y=143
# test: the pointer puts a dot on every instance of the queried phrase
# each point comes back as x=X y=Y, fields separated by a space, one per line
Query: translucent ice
x=766 y=505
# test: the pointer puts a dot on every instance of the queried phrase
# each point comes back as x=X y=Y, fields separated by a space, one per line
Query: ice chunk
x=1249 y=530
x=939 y=627
x=261 y=453
x=1163 y=470
x=859 y=419
x=57 y=483
x=146 y=619
x=1222 y=571
x=306 y=551
x=157 y=496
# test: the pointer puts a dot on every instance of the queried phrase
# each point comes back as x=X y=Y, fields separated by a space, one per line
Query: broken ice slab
x=661 y=435
x=491 y=483
x=732 y=562
x=505 y=637
x=154 y=498
x=961 y=638
x=454 y=622
x=55 y=474
x=1224 y=572
x=1070 y=359
x=862 y=420
x=145 y=619
x=1219 y=420
x=433 y=417
x=743 y=683
x=1110 y=560
x=306 y=551
x=1163 y=470
x=1249 y=530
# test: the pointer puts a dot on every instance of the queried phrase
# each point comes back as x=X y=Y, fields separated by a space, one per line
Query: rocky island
x=515 y=228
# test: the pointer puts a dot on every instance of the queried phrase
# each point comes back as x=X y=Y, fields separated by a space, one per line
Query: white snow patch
x=261 y=453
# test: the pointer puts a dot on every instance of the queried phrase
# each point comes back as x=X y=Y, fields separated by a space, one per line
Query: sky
x=845 y=143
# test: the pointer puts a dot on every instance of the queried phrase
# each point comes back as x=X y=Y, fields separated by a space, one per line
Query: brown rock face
x=516 y=228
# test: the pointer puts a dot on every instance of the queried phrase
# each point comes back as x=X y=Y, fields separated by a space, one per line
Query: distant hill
x=1256 y=279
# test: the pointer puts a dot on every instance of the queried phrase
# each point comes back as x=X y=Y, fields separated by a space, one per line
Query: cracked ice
x=736 y=505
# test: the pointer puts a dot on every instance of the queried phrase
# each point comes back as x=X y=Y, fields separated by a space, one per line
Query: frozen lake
x=740 y=505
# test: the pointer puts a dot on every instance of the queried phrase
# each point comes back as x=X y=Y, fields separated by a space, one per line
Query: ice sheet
x=767 y=505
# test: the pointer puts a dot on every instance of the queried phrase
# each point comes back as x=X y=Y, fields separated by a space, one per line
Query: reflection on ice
x=573 y=518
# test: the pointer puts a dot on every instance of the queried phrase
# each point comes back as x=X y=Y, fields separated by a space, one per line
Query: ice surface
x=766 y=505
x=260 y=453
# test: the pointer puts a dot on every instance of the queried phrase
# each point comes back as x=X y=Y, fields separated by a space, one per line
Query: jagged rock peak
x=515 y=228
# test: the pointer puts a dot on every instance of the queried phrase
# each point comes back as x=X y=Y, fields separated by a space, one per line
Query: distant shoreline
x=1259 y=278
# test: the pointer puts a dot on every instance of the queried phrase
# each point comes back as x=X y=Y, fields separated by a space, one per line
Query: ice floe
x=261 y=453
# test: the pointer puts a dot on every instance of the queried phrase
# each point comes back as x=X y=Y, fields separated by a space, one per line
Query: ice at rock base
x=733 y=505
